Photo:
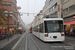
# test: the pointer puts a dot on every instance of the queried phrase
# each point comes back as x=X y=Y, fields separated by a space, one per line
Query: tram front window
x=53 y=26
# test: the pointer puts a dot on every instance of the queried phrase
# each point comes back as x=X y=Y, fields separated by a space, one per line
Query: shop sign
x=73 y=17
x=59 y=7
x=19 y=8
x=20 y=28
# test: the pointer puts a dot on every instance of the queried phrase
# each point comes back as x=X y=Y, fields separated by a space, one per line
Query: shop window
x=73 y=25
x=71 y=8
x=68 y=27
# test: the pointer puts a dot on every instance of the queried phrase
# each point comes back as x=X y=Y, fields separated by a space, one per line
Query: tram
x=50 y=29
x=30 y=29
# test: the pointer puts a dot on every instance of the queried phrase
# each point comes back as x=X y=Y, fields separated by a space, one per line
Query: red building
x=10 y=6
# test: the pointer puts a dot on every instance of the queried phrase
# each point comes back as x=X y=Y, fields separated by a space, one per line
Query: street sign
x=59 y=7
x=19 y=8
x=20 y=28
x=21 y=14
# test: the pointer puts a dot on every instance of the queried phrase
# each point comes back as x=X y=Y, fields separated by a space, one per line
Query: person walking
x=2 y=31
x=12 y=31
x=68 y=32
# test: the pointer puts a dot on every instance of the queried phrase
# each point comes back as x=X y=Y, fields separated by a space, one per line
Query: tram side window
x=36 y=29
x=41 y=28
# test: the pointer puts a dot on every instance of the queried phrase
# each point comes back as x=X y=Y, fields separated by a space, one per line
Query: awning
x=71 y=22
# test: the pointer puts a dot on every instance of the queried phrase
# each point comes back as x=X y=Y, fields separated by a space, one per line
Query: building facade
x=21 y=24
x=51 y=7
x=10 y=6
x=69 y=14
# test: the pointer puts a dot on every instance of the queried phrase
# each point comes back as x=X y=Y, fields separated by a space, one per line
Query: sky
x=30 y=6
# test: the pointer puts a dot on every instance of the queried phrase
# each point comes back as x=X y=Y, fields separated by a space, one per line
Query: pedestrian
x=20 y=31
x=68 y=32
x=12 y=31
x=74 y=31
x=2 y=31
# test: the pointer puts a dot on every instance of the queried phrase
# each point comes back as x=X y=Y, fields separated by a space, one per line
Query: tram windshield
x=54 y=26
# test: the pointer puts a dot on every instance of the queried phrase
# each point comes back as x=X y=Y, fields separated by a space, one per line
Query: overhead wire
x=28 y=8
x=34 y=6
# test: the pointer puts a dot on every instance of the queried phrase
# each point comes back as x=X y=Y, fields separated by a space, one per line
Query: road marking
x=26 y=44
x=35 y=43
x=71 y=44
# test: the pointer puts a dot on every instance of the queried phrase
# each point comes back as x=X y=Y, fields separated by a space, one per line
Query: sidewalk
x=5 y=42
x=70 y=37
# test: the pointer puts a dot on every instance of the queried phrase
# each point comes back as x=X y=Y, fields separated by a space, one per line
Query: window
x=49 y=9
x=51 y=1
x=65 y=1
x=41 y=28
x=14 y=22
x=53 y=26
x=55 y=5
x=66 y=11
x=52 y=7
x=71 y=8
x=6 y=4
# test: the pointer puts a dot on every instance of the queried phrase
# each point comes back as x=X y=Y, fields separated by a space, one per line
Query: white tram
x=50 y=29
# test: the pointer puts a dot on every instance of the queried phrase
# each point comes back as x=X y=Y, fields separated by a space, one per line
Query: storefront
x=4 y=28
x=11 y=28
x=69 y=25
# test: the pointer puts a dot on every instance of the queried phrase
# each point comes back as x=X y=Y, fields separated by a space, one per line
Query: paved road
x=31 y=42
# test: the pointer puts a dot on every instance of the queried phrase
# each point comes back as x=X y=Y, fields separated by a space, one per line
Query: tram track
x=36 y=43
x=26 y=44
x=40 y=45
x=31 y=44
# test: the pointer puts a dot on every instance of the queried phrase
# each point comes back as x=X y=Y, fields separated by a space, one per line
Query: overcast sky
x=31 y=6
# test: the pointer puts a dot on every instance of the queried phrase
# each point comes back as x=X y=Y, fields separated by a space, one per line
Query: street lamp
x=8 y=15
